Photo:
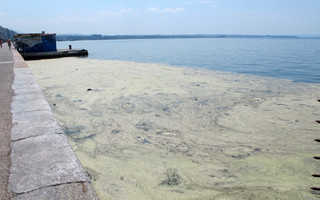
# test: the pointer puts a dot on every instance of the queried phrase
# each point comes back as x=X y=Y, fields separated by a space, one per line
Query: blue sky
x=118 y=17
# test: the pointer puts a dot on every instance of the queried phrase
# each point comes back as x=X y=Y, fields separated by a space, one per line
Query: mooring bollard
x=70 y=47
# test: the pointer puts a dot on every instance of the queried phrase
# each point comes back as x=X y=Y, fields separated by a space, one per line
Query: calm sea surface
x=295 y=59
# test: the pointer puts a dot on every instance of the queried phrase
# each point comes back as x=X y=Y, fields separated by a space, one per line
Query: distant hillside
x=115 y=37
x=6 y=34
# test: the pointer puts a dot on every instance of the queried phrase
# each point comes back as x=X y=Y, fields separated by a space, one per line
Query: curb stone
x=43 y=164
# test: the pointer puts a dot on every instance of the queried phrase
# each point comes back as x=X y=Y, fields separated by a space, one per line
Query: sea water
x=294 y=59
x=153 y=131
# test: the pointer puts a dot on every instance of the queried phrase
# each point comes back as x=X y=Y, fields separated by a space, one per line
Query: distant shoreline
x=71 y=37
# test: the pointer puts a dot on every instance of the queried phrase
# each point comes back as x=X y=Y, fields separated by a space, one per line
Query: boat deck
x=54 y=54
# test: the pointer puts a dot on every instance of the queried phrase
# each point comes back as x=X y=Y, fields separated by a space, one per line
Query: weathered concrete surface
x=61 y=192
x=6 y=80
x=30 y=98
x=24 y=82
x=31 y=124
x=43 y=165
x=21 y=104
x=43 y=161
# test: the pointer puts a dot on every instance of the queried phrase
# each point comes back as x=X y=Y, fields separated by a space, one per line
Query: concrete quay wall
x=43 y=165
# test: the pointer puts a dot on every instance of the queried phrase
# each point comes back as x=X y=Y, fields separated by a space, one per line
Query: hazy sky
x=110 y=17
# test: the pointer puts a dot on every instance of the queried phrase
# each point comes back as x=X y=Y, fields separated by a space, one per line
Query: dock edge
x=43 y=164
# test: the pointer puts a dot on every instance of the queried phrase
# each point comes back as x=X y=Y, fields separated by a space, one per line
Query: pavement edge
x=43 y=164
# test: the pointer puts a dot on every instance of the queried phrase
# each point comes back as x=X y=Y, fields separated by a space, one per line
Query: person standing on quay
x=9 y=44
x=1 y=43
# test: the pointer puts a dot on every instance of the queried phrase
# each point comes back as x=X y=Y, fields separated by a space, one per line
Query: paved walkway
x=37 y=161
x=6 y=93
